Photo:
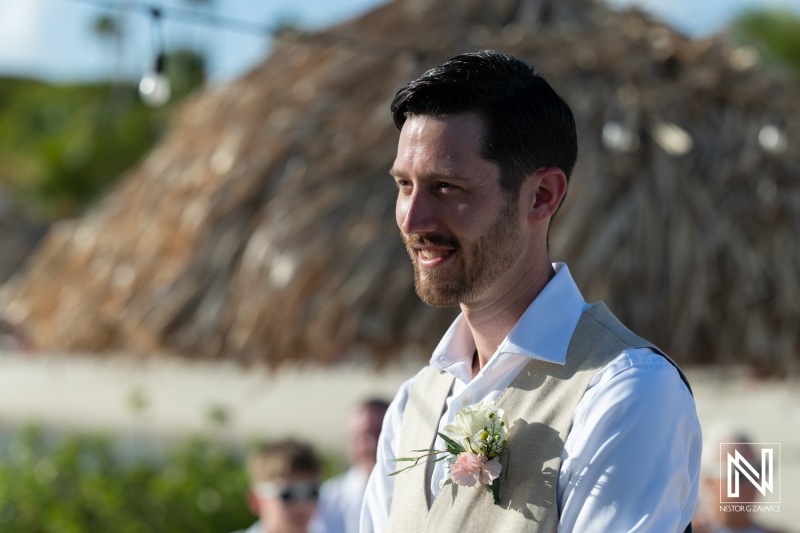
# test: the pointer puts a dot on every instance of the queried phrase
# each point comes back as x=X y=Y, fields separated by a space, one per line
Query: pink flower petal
x=491 y=471
x=466 y=470
x=470 y=469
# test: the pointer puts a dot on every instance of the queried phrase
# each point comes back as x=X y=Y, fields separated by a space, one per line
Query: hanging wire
x=188 y=16
x=192 y=16
x=157 y=30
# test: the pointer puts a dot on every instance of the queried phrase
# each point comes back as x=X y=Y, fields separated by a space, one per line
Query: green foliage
x=775 y=32
x=79 y=485
x=107 y=26
x=62 y=145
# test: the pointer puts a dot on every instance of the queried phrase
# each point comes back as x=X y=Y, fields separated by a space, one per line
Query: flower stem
x=495 y=488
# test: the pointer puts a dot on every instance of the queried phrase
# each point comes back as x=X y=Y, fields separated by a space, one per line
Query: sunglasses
x=289 y=493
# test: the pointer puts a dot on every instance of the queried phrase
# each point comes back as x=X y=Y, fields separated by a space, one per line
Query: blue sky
x=52 y=39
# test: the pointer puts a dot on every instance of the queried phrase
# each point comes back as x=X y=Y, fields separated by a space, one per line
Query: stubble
x=488 y=258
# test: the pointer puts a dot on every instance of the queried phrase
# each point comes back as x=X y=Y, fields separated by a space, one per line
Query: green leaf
x=452 y=446
x=402 y=470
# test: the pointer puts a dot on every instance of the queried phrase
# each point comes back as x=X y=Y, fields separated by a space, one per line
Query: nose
x=415 y=213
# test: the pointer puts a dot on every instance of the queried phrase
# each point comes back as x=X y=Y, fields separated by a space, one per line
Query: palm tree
x=776 y=33
x=108 y=30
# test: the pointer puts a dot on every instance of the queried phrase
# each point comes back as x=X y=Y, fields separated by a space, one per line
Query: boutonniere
x=475 y=440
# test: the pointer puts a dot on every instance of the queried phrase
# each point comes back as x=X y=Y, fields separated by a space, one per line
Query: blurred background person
x=284 y=487
x=341 y=496
x=12 y=339
x=711 y=516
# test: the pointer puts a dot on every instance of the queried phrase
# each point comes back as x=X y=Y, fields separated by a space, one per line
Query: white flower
x=480 y=428
x=475 y=440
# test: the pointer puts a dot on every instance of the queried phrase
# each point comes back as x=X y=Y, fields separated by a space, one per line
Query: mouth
x=431 y=257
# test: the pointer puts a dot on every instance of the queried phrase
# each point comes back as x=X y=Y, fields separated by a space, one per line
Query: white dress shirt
x=256 y=527
x=340 y=498
x=632 y=458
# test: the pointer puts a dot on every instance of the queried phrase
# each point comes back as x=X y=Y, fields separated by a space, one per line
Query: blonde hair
x=282 y=459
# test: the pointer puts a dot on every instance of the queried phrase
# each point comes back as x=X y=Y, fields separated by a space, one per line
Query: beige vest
x=539 y=404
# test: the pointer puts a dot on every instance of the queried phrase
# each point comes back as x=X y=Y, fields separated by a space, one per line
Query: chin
x=438 y=296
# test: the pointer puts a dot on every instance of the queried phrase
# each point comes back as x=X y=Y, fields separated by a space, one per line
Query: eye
x=402 y=184
x=444 y=186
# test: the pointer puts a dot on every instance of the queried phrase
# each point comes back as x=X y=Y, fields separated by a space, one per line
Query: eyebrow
x=438 y=174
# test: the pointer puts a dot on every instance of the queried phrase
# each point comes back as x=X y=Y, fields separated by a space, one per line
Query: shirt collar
x=542 y=332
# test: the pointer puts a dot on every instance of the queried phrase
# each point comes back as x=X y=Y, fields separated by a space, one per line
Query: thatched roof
x=262 y=228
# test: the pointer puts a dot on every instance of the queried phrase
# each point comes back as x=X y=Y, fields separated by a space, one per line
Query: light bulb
x=772 y=139
x=154 y=89
x=619 y=138
x=675 y=140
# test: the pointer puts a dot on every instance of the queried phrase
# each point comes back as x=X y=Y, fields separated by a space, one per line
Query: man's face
x=290 y=508
x=462 y=231
x=364 y=429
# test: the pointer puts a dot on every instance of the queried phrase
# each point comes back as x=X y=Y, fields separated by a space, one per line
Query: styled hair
x=378 y=404
x=527 y=125
x=282 y=459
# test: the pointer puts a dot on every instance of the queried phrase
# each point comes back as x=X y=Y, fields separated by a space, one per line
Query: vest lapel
x=424 y=409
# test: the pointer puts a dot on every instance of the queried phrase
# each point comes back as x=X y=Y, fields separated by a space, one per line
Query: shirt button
x=466 y=399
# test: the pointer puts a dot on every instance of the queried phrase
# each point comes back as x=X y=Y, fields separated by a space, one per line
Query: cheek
x=273 y=511
x=303 y=511
x=400 y=210
x=365 y=444
x=265 y=506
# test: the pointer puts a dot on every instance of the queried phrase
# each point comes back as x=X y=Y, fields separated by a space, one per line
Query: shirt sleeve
x=632 y=459
x=380 y=486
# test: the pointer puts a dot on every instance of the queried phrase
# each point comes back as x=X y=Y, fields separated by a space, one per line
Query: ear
x=252 y=502
x=548 y=187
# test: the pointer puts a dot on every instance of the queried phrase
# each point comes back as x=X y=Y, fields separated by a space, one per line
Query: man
x=341 y=497
x=604 y=433
x=284 y=487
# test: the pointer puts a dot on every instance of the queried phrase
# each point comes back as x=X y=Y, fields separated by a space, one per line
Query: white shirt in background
x=340 y=499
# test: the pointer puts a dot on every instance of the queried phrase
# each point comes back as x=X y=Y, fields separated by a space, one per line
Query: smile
x=432 y=254
x=433 y=257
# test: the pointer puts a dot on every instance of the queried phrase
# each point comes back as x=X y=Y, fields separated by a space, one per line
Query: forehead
x=365 y=418
x=440 y=144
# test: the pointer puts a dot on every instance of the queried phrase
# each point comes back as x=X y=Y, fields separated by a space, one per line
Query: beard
x=488 y=258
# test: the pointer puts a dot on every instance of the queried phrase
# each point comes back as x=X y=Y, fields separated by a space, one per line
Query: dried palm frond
x=262 y=228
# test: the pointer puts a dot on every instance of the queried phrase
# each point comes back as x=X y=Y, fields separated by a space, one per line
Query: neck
x=491 y=321
x=364 y=467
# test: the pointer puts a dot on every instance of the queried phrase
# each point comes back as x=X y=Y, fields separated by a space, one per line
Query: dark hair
x=527 y=125
x=379 y=404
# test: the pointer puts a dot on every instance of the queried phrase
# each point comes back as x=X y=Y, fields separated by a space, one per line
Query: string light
x=154 y=89
x=619 y=138
x=154 y=86
x=673 y=139
x=772 y=139
x=189 y=16
x=193 y=16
